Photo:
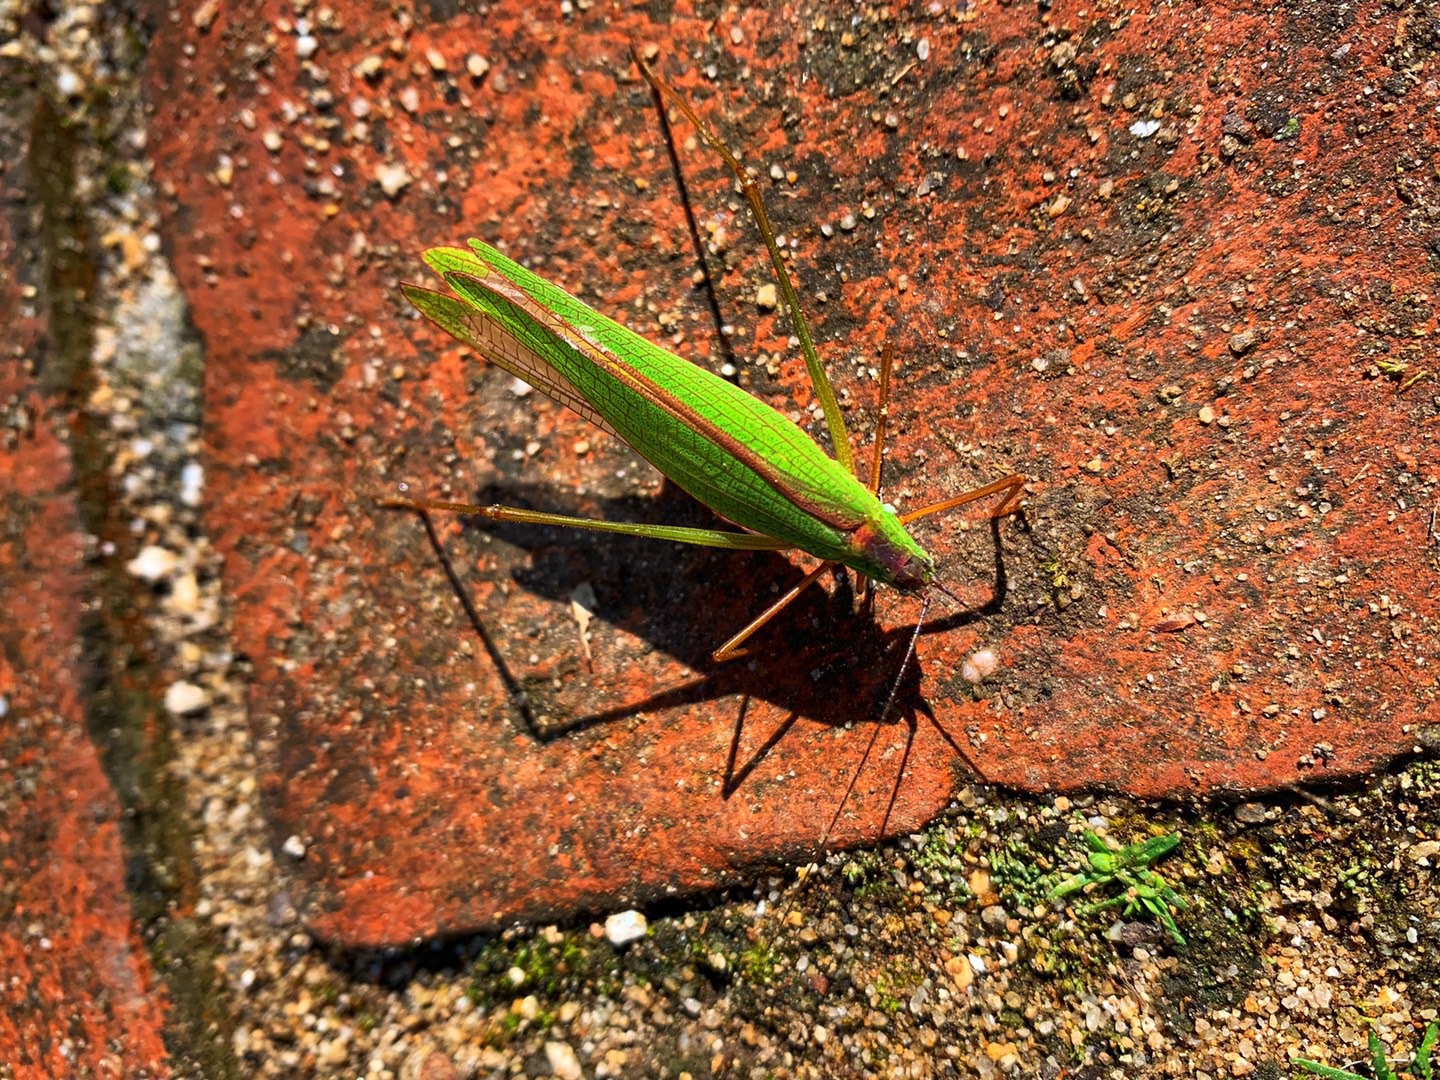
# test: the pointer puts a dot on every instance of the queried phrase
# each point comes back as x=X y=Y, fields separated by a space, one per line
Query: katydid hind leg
x=1013 y=486
x=882 y=416
x=834 y=419
x=732 y=650
x=866 y=591
x=716 y=538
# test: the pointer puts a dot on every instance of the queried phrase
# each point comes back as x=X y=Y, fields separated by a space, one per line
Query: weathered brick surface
x=76 y=997
x=1149 y=259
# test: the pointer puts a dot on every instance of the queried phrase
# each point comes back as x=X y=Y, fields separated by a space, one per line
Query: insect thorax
x=887 y=553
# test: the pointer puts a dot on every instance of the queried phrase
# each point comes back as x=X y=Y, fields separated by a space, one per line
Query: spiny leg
x=823 y=390
x=731 y=649
x=909 y=654
x=1012 y=485
x=882 y=418
x=849 y=789
x=717 y=538
x=882 y=423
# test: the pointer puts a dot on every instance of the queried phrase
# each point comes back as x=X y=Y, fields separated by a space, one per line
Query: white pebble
x=979 y=666
x=305 y=46
x=69 y=84
x=182 y=698
x=1143 y=129
x=562 y=1059
x=393 y=179
x=154 y=563
x=294 y=847
x=184 y=598
x=625 y=926
x=192 y=483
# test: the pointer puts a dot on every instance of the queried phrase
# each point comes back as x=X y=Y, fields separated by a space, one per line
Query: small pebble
x=624 y=927
x=153 y=564
x=994 y=916
x=393 y=179
x=192 y=483
x=979 y=666
x=184 y=598
x=183 y=698
x=204 y=16
x=68 y=83
x=563 y=1061
x=334 y=1052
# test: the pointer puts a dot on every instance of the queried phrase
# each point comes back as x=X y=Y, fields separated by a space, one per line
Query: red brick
x=77 y=996
x=426 y=803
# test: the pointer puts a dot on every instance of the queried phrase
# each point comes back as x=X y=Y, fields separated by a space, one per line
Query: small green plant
x=860 y=868
x=1017 y=874
x=759 y=963
x=1399 y=370
x=1420 y=1065
x=1145 y=890
x=1289 y=130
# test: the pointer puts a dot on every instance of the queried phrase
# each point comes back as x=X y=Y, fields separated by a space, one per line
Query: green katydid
x=734 y=453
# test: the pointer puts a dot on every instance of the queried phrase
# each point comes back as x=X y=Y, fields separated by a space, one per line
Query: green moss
x=551 y=969
x=758 y=963
x=1017 y=875
x=885 y=999
x=860 y=868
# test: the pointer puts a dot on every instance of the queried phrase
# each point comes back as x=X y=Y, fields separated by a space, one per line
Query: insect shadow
x=686 y=599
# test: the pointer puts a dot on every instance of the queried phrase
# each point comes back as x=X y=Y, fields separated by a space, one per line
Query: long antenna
x=909 y=652
x=960 y=606
x=884 y=713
